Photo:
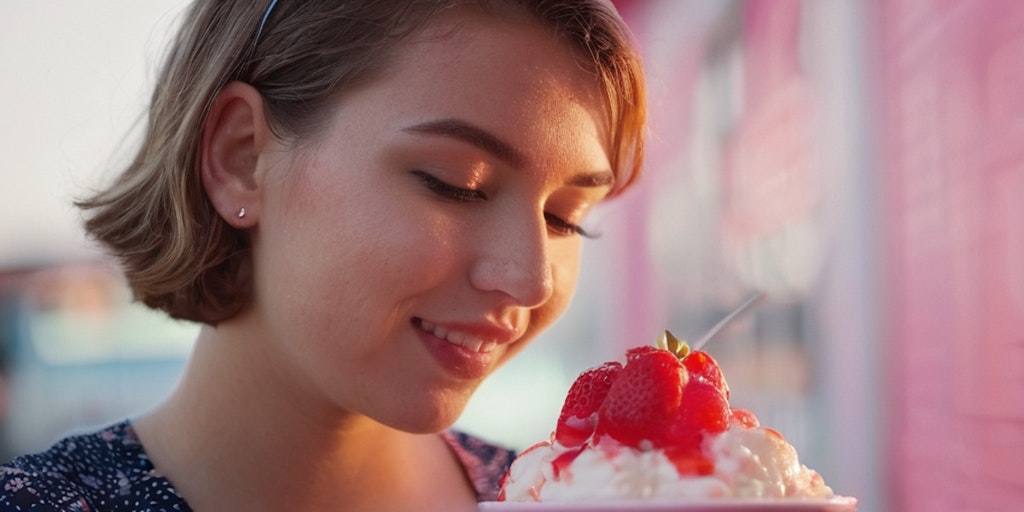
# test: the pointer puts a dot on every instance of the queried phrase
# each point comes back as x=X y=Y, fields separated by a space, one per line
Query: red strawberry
x=638 y=352
x=578 y=419
x=702 y=409
x=561 y=464
x=690 y=460
x=644 y=399
x=745 y=418
x=703 y=367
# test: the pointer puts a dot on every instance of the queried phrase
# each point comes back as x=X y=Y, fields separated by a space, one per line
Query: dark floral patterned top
x=109 y=471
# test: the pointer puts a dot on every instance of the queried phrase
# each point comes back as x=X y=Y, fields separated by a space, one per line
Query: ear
x=233 y=136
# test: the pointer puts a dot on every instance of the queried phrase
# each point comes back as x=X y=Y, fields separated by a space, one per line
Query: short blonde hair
x=177 y=253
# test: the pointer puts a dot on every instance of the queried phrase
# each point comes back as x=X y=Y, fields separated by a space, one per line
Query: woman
x=370 y=208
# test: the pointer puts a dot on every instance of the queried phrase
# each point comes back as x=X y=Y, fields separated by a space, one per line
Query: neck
x=239 y=434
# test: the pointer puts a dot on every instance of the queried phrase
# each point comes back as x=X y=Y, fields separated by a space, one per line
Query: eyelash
x=555 y=223
x=447 y=190
x=564 y=227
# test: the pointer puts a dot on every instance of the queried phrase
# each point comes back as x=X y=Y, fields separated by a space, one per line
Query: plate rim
x=682 y=505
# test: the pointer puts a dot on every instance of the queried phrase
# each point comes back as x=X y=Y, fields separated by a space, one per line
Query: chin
x=428 y=416
x=425 y=425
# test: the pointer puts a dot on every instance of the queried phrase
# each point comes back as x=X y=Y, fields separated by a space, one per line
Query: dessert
x=659 y=427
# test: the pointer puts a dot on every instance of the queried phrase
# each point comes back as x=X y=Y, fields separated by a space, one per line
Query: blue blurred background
x=859 y=161
x=76 y=352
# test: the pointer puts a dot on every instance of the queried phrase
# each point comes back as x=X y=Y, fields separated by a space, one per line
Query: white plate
x=837 y=504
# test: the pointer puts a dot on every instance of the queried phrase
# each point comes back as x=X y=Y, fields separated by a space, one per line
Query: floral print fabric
x=109 y=471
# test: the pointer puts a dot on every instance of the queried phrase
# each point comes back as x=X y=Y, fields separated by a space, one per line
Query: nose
x=515 y=262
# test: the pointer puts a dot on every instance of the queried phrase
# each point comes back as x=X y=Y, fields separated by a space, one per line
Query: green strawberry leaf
x=675 y=345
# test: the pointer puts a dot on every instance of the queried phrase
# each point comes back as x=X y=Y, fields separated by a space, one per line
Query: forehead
x=497 y=45
x=506 y=73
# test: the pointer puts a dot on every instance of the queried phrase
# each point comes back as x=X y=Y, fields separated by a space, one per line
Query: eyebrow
x=472 y=135
x=475 y=136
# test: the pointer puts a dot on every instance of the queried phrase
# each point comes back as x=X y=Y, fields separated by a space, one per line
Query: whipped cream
x=749 y=463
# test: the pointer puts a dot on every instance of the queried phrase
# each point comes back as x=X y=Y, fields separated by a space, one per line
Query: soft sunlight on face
x=433 y=230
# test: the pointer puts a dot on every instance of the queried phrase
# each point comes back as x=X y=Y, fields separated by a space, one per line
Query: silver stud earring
x=241 y=213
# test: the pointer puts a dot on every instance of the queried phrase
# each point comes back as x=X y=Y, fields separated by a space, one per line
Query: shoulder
x=485 y=463
x=106 y=470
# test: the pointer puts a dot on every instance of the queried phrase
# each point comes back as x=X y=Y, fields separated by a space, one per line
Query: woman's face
x=430 y=232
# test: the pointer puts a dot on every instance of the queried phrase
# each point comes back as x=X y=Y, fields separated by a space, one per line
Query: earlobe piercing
x=241 y=213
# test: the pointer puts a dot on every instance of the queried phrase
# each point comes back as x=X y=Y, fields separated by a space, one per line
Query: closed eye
x=449 y=191
x=557 y=225
x=562 y=227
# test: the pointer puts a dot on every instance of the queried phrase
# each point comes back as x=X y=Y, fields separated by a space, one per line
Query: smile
x=462 y=339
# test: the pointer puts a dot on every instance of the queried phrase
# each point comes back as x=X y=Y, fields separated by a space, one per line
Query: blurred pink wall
x=923 y=109
x=951 y=85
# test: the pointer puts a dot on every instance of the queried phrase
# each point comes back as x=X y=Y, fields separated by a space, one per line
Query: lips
x=463 y=339
x=464 y=351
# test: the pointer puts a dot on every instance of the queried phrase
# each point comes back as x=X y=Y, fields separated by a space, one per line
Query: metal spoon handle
x=725 y=321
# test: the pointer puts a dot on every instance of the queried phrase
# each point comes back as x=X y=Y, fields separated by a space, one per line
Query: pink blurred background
x=865 y=160
x=859 y=161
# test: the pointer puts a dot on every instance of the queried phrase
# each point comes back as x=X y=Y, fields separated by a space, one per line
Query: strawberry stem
x=675 y=345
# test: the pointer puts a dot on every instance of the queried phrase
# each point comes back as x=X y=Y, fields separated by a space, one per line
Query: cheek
x=361 y=271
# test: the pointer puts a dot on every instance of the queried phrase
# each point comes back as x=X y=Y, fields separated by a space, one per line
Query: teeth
x=461 y=339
